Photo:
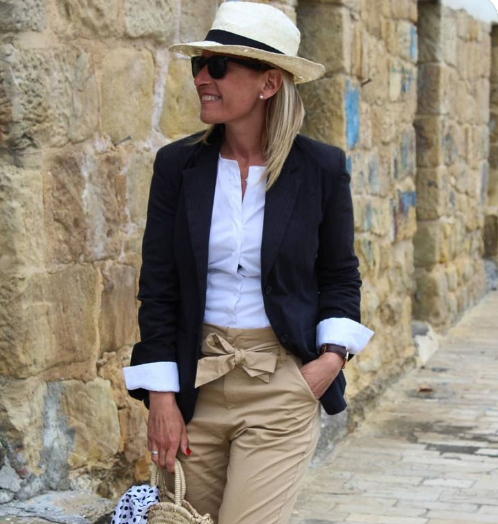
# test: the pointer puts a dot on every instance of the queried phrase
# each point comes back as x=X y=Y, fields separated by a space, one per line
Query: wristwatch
x=334 y=348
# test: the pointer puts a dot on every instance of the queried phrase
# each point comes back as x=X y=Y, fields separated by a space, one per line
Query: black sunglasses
x=217 y=65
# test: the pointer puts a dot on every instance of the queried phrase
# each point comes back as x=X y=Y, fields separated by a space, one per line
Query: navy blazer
x=309 y=271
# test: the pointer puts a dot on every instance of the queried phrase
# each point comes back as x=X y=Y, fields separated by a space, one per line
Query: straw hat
x=257 y=31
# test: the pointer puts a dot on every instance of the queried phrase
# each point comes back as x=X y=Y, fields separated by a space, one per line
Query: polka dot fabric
x=134 y=505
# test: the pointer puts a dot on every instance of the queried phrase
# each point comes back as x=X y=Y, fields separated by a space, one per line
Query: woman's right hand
x=166 y=430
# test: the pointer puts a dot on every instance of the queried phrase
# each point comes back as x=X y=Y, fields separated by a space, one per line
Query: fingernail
x=187 y=452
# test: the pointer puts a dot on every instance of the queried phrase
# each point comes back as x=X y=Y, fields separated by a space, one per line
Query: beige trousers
x=254 y=430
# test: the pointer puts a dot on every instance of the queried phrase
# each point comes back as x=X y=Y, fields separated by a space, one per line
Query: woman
x=249 y=284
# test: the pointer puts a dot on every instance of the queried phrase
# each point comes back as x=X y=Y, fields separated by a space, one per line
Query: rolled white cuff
x=343 y=332
x=157 y=376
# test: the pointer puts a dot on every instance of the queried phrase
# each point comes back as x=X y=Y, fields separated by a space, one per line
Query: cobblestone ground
x=428 y=452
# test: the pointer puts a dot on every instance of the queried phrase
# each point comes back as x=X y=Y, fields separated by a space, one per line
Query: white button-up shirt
x=233 y=296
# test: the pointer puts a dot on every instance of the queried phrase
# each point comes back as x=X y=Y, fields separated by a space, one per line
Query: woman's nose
x=202 y=77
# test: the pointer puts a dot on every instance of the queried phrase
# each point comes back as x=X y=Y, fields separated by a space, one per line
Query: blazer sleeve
x=153 y=361
x=337 y=265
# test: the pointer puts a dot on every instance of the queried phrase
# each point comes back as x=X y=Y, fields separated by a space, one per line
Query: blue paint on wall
x=352 y=102
x=406 y=199
x=349 y=164
x=413 y=43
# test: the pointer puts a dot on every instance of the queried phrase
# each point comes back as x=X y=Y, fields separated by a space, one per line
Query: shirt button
x=268 y=290
x=284 y=339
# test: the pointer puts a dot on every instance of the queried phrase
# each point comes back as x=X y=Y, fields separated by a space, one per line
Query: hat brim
x=301 y=69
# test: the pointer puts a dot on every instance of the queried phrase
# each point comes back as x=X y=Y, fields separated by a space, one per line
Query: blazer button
x=284 y=339
x=268 y=290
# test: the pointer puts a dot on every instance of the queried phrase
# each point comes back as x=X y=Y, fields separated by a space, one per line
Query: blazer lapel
x=199 y=184
x=280 y=201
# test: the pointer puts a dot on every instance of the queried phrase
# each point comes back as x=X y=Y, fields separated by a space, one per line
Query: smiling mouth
x=210 y=98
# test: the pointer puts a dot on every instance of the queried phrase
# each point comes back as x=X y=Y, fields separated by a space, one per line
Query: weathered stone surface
x=35 y=96
x=22 y=239
x=68 y=507
x=118 y=311
x=132 y=417
x=331 y=24
x=327 y=121
x=22 y=426
x=196 y=19
x=84 y=206
x=429 y=243
x=138 y=173
x=89 y=18
x=181 y=107
x=429 y=28
x=84 y=116
x=22 y=16
x=104 y=201
x=432 y=193
x=50 y=324
x=151 y=18
x=429 y=141
x=127 y=81
x=92 y=419
x=430 y=301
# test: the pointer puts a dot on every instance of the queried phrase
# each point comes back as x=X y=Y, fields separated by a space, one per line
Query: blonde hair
x=284 y=117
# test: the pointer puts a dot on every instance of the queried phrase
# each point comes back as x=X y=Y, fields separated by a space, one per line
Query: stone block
x=406 y=35
x=65 y=214
x=22 y=237
x=430 y=299
x=429 y=243
x=434 y=89
x=326 y=112
x=429 y=37
x=23 y=423
x=105 y=200
x=196 y=19
x=376 y=91
x=84 y=199
x=89 y=18
x=92 y=420
x=50 y=324
x=326 y=27
x=432 y=193
x=36 y=96
x=449 y=36
x=370 y=18
x=429 y=133
x=138 y=173
x=368 y=252
x=181 y=106
x=151 y=18
x=84 y=119
x=127 y=81
x=400 y=9
x=118 y=314
x=29 y=15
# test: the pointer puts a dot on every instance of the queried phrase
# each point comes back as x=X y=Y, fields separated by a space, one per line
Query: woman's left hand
x=320 y=373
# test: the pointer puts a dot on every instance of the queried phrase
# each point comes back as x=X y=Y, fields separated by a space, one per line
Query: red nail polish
x=187 y=452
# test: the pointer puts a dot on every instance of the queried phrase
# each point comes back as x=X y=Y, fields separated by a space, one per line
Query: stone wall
x=89 y=92
x=491 y=221
x=366 y=104
x=452 y=162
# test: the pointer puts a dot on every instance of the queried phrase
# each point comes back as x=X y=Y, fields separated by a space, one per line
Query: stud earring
x=261 y=96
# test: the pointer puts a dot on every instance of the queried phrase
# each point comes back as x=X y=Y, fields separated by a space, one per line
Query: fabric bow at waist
x=221 y=357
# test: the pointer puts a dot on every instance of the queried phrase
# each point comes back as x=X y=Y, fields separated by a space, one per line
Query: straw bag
x=173 y=508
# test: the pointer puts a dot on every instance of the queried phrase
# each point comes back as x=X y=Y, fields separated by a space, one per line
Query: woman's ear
x=273 y=82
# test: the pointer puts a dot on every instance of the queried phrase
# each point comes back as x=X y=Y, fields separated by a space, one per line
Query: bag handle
x=156 y=477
